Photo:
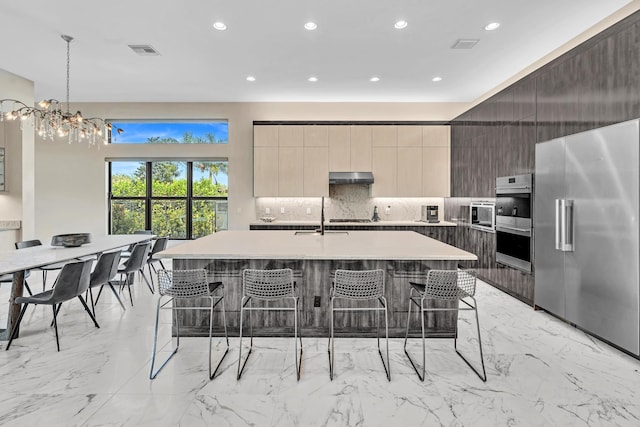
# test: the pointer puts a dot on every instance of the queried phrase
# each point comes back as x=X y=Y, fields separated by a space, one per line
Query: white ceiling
x=354 y=41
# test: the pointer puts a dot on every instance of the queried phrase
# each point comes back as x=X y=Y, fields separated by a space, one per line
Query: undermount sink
x=317 y=232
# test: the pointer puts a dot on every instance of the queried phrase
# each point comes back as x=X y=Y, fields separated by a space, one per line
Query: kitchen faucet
x=322 y=217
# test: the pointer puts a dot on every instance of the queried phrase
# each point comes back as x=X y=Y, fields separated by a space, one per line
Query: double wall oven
x=514 y=225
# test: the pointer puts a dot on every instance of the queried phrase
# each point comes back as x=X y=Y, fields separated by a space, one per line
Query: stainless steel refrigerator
x=586 y=212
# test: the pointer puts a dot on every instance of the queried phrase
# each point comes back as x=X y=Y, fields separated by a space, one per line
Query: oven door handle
x=514 y=230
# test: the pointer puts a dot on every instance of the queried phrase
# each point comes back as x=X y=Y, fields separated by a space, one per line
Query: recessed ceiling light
x=436 y=79
x=313 y=79
x=310 y=26
x=374 y=79
x=492 y=26
x=401 y=24
x=220 y=26
x=251 y=79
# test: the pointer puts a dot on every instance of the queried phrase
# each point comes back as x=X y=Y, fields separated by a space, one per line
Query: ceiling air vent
x=465 y=43
x=144 y=50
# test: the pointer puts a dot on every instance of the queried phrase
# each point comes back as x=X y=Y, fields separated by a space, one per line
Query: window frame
x=148 y=198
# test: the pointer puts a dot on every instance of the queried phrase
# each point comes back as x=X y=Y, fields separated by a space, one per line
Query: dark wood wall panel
x=593 y=85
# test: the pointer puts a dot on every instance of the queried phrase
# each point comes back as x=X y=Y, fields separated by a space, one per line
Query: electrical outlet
x=281 y=210
x=308 y=211
x=316 y=301
x=267 y=210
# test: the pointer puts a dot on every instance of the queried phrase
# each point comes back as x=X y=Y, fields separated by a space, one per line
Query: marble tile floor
x=541 y=372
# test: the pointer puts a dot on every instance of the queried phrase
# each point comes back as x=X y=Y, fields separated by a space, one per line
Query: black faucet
x=322 y=218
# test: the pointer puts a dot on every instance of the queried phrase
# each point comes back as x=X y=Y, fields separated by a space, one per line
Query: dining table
x=18 y=261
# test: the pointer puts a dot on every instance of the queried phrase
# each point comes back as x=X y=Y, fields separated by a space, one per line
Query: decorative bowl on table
x=71 y=240
x=267 y=218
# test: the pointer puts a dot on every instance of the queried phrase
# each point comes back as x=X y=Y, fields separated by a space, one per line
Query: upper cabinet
x=406 y=160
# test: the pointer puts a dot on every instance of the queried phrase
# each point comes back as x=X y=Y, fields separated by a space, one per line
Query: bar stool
x=445 y=285
x=268 y=285
x=360 y=285
x=186 y=284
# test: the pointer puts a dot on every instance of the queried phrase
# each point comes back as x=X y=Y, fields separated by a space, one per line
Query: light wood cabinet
x=290 y=136
x=316 y=172
x=290 y=171
x=406 y=160
x=435 y=172
x=265 y=171
x=385 y=171
x=361 y=149
x=339 y=148
x=410 y=171
x=316 y=136
x=409 y=136
x=384 y=136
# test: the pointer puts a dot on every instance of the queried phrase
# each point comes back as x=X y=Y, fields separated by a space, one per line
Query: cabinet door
x=409 y=172
x=265 y=171
x=290 y=136
x=316 y=136
x=290 y=175
x=384 y=136
x=435 y=171
x=409 y=136
x=436 y=136
x=361 y=149
x=385 y=171
x=316 y=171
x=265 y=136
x=339 y=148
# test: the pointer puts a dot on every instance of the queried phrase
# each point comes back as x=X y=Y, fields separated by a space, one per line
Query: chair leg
x=55 y=323
x=14 y=332
x=44 y=282
x=57 y=312
x=93 y=304
x=26 y=285
x=242 y=364
x=331 y=344
x=149 y=285
x=483 y=377
x=88 y=310
x=115 y=293
x=152 y=374
x=295 y=338
x=386 y=365
x=212 y=374
x=406 y=337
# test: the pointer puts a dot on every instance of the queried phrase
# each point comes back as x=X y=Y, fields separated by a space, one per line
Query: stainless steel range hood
x=350 y=178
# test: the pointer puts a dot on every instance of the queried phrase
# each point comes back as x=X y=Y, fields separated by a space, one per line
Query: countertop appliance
x=429 y=213
x=587 y=235
x=482 y=216
x=514 y=226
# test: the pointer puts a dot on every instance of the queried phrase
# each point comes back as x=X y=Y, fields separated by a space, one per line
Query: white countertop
x=374 y=224
x=37 y=256
x=272 y=244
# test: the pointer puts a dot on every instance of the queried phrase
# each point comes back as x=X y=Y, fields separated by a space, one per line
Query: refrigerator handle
x=564 y=225
x=558 y=226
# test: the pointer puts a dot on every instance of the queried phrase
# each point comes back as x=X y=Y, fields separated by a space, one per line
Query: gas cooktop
x=350 y=220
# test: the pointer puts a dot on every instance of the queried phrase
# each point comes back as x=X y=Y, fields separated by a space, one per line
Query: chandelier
x=51 y=121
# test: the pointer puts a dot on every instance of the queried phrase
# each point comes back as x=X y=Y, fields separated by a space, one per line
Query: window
x=177 y=199
x=170 y=132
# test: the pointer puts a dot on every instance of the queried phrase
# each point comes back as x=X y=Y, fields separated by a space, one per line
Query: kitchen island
x=403 y=255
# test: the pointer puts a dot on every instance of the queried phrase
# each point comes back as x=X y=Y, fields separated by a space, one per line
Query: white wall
x=17 y=203
x=71 y=182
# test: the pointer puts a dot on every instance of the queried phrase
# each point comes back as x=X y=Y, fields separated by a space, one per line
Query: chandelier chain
x=68 y=40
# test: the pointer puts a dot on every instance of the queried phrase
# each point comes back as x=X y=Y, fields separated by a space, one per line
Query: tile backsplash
x=349 y=201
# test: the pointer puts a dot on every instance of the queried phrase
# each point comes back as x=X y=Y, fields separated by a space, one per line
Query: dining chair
x=159 y=245
x=134 y=264
x=104 y=272
x=45 y=268
x=72 y=282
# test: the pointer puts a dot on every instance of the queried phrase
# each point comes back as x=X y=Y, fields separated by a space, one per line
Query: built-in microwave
x=482 y=216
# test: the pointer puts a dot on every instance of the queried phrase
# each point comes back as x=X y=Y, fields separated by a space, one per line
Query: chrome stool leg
x=473 y=307
x=220 y=299
x=386 y=365
x=406 y=337
x=242 y=364
x=153 y=374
